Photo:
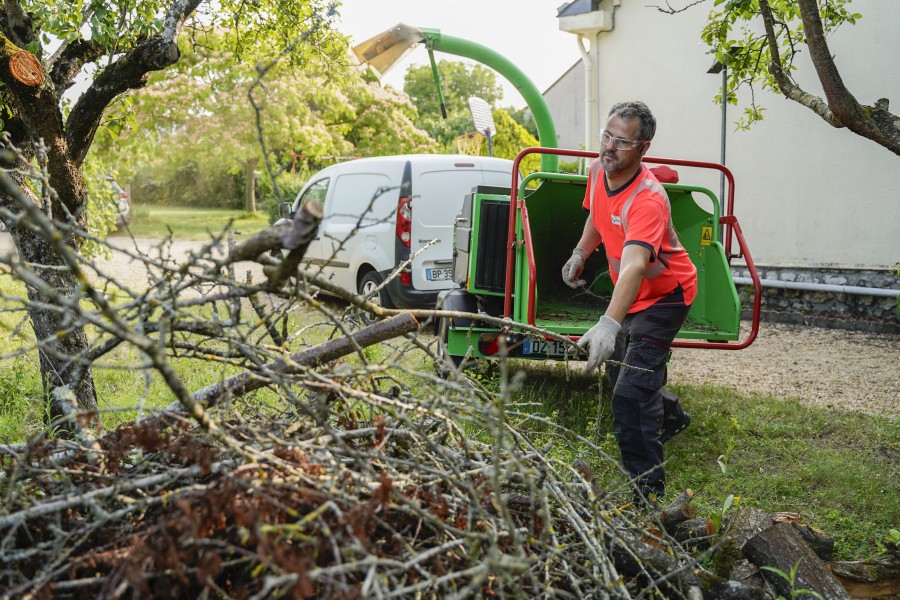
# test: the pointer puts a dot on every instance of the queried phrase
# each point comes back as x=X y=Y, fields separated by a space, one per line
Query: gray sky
x=524 y=31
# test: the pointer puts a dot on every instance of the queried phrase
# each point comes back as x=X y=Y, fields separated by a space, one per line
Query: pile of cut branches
x=404 y=505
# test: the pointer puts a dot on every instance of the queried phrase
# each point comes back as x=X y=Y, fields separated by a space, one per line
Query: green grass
x=191 y=223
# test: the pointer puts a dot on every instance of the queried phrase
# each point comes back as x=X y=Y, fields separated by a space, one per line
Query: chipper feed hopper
x=507 y=264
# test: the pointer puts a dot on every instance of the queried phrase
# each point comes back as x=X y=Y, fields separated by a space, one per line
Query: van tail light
x=404 y=222
x=406 y=277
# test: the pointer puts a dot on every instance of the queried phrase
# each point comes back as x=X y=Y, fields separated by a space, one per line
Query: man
x=655 y=283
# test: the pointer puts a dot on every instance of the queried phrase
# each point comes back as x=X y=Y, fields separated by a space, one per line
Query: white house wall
x=566 y=100
x=808 y=195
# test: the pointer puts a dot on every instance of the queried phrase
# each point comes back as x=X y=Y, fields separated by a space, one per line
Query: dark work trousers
x=639 y=396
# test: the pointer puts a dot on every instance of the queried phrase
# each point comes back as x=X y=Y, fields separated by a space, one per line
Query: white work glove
x=572 y=269
x=602 y=340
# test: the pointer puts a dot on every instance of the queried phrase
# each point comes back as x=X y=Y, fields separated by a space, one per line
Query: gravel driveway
x=846 y=370
x=133 y=273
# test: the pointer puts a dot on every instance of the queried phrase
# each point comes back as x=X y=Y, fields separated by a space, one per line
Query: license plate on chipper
x=439 y=274
x=546 y=348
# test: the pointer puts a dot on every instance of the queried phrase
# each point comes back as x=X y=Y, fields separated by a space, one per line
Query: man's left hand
x=602 y=341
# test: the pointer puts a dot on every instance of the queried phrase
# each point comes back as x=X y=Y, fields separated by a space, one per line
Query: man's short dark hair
x=636 y=108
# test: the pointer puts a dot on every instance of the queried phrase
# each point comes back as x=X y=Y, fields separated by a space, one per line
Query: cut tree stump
x=26 y=69
x=781 y=547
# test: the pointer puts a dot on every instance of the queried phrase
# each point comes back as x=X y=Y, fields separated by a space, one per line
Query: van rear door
x=438 y=191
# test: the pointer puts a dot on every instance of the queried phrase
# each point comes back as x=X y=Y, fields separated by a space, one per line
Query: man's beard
x=611 y=162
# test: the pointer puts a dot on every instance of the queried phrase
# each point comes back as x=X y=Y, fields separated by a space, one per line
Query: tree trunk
x=250 y=184
x=61 y=343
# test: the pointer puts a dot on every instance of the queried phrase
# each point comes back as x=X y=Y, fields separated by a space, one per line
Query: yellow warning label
x=706 y=233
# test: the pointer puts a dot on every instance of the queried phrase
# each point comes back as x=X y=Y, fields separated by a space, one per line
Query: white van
x=377 y=212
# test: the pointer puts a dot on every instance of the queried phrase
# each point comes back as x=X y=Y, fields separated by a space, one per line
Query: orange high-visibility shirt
x=640 y=213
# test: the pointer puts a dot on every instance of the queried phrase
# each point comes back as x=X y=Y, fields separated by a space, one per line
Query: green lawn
x=191 y=223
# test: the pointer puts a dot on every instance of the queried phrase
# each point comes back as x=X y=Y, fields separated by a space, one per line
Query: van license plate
x=534 y=347
x=439 y=274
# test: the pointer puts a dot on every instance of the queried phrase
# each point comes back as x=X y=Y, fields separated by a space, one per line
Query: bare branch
x=129 y=72
x=669 y=10
x=71 y=58
x=840 y=108
x=787 y=86
x=873 y=122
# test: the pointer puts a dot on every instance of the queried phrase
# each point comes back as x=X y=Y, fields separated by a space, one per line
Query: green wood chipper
x=507 y=264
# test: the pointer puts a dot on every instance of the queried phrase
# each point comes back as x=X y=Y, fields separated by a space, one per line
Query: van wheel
x=368 y=284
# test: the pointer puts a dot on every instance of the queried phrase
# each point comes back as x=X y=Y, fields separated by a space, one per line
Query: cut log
x=820 y=543
x=695 y=533
x=747 y=573
x=716 y=588
x=869 y=579
x=781 y=547
x=240 y=384
x=742 y=525
x=868 y=571
x=678 y=511
x=634 y=557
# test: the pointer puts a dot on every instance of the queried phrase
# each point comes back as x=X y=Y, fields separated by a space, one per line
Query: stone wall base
x=826 y=309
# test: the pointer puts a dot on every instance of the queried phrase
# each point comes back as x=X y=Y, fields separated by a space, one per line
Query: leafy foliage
x=117 y=45
x=209 y=112
x=459 y=82
x=737 y=40
x=510 y=139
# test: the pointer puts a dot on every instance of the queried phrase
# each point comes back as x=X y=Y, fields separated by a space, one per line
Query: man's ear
x=644 y=149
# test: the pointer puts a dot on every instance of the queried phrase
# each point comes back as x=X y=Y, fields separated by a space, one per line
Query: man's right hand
x=601 y=342
x=571 y=271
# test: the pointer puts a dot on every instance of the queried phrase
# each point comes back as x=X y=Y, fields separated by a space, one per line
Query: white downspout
x=590 y=99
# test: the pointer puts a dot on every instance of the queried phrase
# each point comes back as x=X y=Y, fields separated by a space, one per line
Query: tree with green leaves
x=44 y=45
x=459 y=82
x=766 y=57
x=305 y=114
x=510 y=139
